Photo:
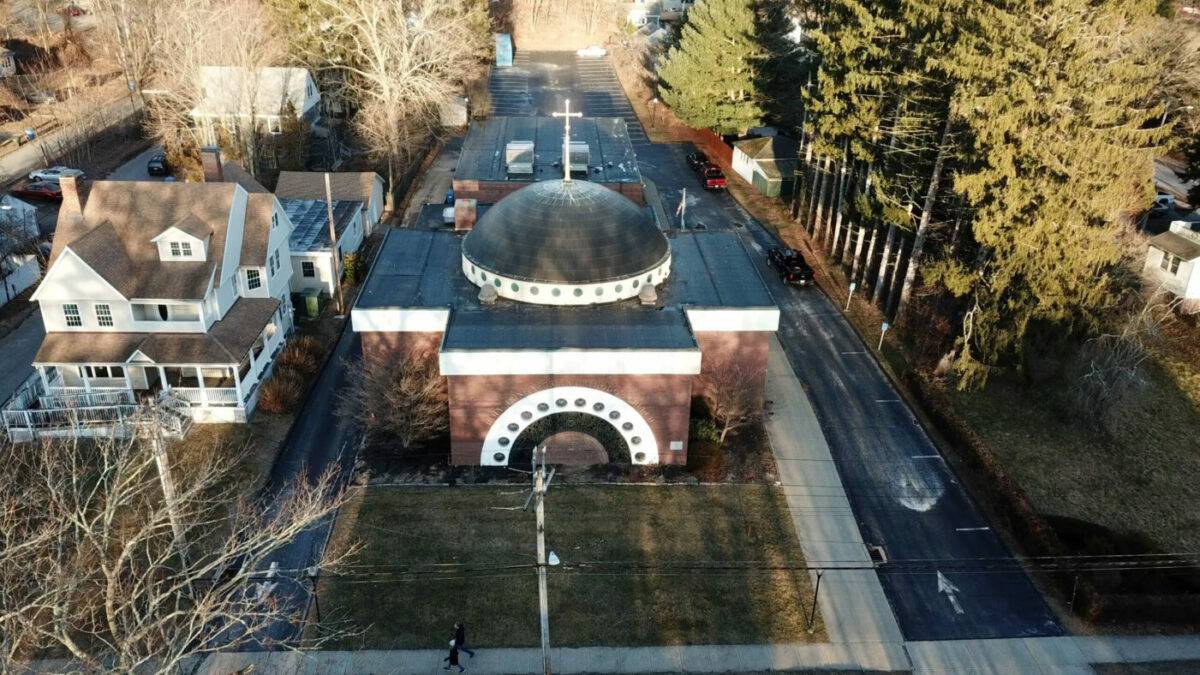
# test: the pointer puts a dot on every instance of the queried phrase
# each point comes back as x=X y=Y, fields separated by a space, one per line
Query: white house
x=313 y=252
x=18 y=229
x=767 y=162
x=360 y=186
x=228 y=93
x=158 y=287
x=1173 y=263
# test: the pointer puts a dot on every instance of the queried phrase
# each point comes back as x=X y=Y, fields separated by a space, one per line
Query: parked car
x=75 y=10
x=593 y=52
x=53 y=173
x=157 y=166
x=38 y=97
x=41 y=189
x=1163 y=204
x=792 y=267
x=696 y=160
x=711 y=177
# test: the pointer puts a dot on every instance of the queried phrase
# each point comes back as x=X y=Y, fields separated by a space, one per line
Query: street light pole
x=539 y=487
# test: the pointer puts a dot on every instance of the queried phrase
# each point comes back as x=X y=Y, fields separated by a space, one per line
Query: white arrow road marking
x=944 y=586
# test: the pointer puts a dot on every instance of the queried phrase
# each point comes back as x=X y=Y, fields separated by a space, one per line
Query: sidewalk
x=1032 y=656
x=852 y=602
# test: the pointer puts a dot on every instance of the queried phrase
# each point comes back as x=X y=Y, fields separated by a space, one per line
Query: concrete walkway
x=1023 y=656
x=852 y=602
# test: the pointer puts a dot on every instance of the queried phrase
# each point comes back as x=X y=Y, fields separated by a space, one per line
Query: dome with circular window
x=586 y=242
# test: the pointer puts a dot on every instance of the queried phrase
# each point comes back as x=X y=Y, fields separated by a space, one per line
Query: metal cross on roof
x=566 y=114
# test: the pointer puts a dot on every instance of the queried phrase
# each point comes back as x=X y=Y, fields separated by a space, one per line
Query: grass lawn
x=1138 y=482
x=590 y=604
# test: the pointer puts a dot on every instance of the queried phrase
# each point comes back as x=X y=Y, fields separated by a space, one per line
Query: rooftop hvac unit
x=581 y=155
x=518 y=156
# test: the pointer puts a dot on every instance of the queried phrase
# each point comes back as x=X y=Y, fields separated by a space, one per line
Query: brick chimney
x=70 y=194
x=464 y=214
x=210 y=160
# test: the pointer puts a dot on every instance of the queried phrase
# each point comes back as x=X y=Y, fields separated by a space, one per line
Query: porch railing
x=215 y=396
x=55 y=399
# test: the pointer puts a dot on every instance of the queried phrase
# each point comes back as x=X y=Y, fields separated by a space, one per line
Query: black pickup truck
x=791 y=266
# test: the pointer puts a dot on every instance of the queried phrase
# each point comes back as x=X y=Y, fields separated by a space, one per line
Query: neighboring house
x=1173 y=263
x=173 y=290
x=230 y=94
x=768 y=163
x=313 y=253
x=363 y=186
x=18 y=231
x=641 y=12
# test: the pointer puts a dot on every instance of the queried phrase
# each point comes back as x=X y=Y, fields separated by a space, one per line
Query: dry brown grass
x=302 y=354
x=596 y=598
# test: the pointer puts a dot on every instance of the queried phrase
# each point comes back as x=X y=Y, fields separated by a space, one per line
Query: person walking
x=460 y=639
x=452 y=659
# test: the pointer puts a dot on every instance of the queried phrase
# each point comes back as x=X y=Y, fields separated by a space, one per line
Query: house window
x=176 y=251
x=71 y=312
x=104 y=316
x=253 y=279
x=1170 y=263
x=274 y=220
x=104 y=372
x=308 y=269
x=186 y=247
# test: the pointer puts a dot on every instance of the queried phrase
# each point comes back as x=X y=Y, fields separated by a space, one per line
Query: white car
x=595 y=52
x=54 y=173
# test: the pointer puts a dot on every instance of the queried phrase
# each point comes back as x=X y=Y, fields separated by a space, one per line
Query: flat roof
x=612 y=159
x=546 y=328
x=423 y=269
x=310 y=221
x=1176 y=244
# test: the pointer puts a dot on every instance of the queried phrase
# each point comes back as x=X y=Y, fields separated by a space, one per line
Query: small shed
x=504 y=50
x=768 y=163
x=1173 y=263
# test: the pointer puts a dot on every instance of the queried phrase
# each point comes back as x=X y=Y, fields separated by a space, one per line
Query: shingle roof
x=768 y=147
x=1176 y=244
x=121 y=218
x=357 y=186
x=226 y=342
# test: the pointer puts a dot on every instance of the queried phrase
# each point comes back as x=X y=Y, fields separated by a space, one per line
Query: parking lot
x=540 y=84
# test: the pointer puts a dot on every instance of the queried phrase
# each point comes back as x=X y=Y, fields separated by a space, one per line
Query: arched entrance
x=572 y=438
x=622 y=417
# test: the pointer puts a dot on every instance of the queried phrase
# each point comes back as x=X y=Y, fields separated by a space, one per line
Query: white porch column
x=45 y=382
x=128 y=382
x=203 y=389
x=237 y=385
x=162 y=377
x=87 y=382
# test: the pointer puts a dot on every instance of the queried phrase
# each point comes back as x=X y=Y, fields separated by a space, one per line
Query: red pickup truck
x=711 y=177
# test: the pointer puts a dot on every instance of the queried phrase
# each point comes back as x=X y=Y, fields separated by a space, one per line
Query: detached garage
x=768 y=163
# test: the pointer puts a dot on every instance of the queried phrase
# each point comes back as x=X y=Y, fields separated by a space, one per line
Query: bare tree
x=130 y=31
x=403 y=59
x=404 y=399
x=193 y=34
x=733 y=394
x=89 y=566
x=1110 y=379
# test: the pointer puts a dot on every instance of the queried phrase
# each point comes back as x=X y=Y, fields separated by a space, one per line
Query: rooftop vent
x=518 y=157
x=581 y=156
x=487 y=295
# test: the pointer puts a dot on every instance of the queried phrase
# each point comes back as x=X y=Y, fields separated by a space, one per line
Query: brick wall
x=476 y=401
x=379 y=347
x=490 y=192
x=747 y=349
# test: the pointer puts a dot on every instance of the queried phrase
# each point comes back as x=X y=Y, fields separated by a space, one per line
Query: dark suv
x=157 y=166
x=791 y=266
x=696 y=160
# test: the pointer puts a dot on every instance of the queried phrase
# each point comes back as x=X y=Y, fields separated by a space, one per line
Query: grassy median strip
x=641 y=565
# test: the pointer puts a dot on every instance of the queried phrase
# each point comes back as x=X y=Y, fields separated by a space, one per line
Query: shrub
x=302 y=355
x=282 y=393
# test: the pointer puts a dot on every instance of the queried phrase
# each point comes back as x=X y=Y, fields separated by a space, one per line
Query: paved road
x=317 y=442
x=901 y=491
x=18 y=349
x=28 y=157
x=135 y=169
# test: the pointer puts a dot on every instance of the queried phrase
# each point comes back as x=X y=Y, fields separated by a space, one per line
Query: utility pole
x=333 y=249
x=152 y=430
x=539 y=488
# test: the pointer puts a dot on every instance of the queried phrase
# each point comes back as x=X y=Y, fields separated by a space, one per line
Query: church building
x=568 y=299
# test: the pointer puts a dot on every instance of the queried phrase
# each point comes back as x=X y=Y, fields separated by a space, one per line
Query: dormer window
x=253 y=279
x=181 y=249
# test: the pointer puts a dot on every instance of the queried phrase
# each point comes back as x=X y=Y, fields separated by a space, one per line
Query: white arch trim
x=497 y=445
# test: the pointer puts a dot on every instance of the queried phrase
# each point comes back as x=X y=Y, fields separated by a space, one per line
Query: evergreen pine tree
x=711 y=79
